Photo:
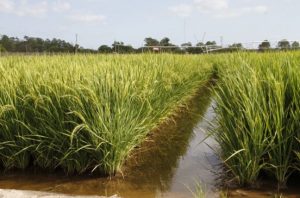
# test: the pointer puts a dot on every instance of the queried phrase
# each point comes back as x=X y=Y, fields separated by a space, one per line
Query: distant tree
x=151 y=42
x=86 y=50
x=165 y=42
x=236 y=45
x=172 y=48
x=265 y=45
x=116 y=46
x=104 y=49
x=120 y=47
x=295 y=45
x=188 y=48
x=128 y=49
x=57 y=45
x=188 y=44
x=35 y=44
x=198 y=49
x=7 y=43
x=211 y=43
x=284 y=44
x=200 y=44
x=2 y=49
x=195 y=50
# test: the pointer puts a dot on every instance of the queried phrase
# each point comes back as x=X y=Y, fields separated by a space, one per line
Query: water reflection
x=169 y=162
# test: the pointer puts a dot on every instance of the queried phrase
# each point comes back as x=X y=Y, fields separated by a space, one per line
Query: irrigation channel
x=176 y=158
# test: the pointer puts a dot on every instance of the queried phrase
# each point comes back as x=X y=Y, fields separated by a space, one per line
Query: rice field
x=87 y=113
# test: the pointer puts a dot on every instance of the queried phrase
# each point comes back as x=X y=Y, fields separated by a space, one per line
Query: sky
x=99 y=22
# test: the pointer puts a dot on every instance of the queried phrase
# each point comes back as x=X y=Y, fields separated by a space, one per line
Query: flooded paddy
x=174 y=158
x=167 y=165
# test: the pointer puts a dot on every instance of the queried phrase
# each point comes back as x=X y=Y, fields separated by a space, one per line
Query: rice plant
x=258 y=114
x=88 y=112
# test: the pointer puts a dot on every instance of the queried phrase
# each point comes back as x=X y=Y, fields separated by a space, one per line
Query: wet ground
x=170 y=163
x=37 y=194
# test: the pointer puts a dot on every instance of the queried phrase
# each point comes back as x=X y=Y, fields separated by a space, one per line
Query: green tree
x=236 y=46
x=200 y=44
x=8 y=43
x=211 y=43
x=35 y=44
x=265 y=45
x=295 y=45
x=188 y=44
x=2 y=49
x=116 y=46
x=284 y=44
x=151 y=42
x=120 y=47
x=104 y=49
x=165 y=42
x=171 y=47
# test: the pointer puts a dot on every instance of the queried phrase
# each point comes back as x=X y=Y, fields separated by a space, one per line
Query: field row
x=258 y=108
x=87 y=113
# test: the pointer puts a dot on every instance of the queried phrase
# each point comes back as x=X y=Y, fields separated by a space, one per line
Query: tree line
x=283 y=45
x=39 y=45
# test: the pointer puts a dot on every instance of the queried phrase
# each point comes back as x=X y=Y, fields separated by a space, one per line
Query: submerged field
x=88 y=113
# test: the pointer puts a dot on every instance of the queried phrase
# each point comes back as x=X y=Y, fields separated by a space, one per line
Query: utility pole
x=115 y=45
x=221 y=39
x=76 y=43
x=203 y=37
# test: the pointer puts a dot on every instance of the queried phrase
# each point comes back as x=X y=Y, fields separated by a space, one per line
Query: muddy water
x=168 y=164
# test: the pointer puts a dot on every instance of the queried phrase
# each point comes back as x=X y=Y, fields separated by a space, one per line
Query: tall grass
x=259 y=114
x=88 y=112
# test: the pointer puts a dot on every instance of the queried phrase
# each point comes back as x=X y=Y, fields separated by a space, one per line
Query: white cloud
x=217 y=8
x=88 y=18
x=26 y=9
x=23 y=8
x=182 y=10
x=61 y=6
x=261 y=9
x=6 y=6
x=229 y=13
x=211 y=5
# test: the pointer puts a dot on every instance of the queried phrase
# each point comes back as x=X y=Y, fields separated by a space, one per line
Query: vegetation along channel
x=151 y=125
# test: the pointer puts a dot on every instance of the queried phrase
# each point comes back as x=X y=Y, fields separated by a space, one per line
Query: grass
x=258 y=112
x=199 y=191
x=88 y=112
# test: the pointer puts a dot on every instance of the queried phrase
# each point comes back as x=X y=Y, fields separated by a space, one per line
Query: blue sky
x=100 y=22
